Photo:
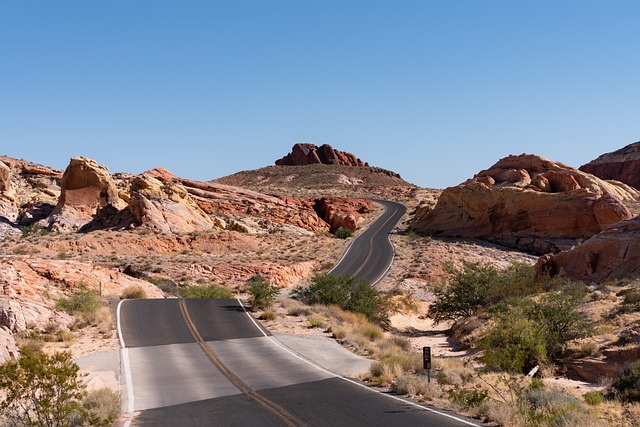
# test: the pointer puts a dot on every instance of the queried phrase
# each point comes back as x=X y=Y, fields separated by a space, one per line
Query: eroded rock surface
x=166 y=207
x=86 y=190
x=309 y=154
x=622 y=165
x=611 y=254
x=342 y=212
x=528 y=202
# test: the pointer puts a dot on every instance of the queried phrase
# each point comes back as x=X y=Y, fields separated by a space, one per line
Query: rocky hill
x=309 y=171
x=622 y=165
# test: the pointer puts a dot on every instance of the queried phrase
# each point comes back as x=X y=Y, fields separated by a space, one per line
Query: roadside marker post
x=426 y=361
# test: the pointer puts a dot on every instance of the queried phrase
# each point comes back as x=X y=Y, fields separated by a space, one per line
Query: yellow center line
x=285 y=416
x=371 y=244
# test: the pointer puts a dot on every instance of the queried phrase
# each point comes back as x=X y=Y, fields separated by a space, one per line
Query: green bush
x=479 y=286
x=627 y=386
x=83 y=300
x=206 y=291
x=593 y=398
x=348 y=293
x=261 y=293
x=515 y=344
x=343 y=233
x=41 y=390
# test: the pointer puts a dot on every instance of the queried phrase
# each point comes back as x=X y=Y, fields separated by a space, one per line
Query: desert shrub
x=553 y=408
x=515 y=344
x=166 y=285
x=415 y=386
x=102 y=408
x=206 y=291
x=268 y=315
x=479 y=286
x=593 y=398
x=464 y=398
x=343 y=233
x=316 y=322
x=348 y=293
x=83 y=300
x=561 y=320
x=627 y=386
x=465 y=294
x=261 y=293
x=133 y=292
x=34 y=229
x=41 y=390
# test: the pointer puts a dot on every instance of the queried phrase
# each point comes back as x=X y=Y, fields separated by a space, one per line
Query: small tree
x=41 y=390
x=262 y=294
x=467 y=292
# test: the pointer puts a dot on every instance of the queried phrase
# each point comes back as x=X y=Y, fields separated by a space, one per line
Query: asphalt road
x=369 y=256
x=207 y=363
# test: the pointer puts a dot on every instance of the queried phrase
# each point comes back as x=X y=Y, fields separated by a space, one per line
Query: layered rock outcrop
x=87 y=189
x=342 y=212
x=166 y=207
x=611 y=254
x=622 y=165
x=309 y=154
x=5 y=177
x=528 y=202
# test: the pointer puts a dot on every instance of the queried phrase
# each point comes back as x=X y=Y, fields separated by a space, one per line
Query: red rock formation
x=308 y=154
x=528 y=202
x=341 y=211
x=611 y=254
x=622 y=165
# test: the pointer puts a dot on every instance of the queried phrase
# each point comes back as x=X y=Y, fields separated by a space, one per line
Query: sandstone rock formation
x=29 y=288
x=611 y=254
x=622 y=165
x=308 y=154
x=342 y=211
x=528 y=202
x=86 y=190
x=166 y=207
x=5 y=177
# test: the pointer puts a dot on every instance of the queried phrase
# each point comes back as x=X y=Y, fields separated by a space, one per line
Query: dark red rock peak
x=622 y=165
x=309 y=154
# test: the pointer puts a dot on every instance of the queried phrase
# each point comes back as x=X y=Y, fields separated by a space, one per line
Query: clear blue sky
x=434 y=90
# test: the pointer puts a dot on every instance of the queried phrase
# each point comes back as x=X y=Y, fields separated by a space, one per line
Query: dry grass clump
x=133 y=292
x=101 y=318
x=268 y=315
x=34 y=337
x=294 y=307
x=417 y=386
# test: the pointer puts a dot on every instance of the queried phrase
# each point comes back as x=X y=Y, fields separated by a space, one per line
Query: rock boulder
x=611 y=254
x=87 y=189
x=528 y=202
x=166 y=207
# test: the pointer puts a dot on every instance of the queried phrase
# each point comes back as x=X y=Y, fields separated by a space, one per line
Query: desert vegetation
x=43 y=390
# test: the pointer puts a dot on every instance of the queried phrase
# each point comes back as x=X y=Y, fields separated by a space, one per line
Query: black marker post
x=426 y=360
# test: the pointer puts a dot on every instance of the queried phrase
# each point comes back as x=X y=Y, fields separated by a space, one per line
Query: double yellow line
x=364 y=263
x=284 y=415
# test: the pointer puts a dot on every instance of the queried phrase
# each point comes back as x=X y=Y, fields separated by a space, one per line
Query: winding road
x=370 y=255
x=207 y=362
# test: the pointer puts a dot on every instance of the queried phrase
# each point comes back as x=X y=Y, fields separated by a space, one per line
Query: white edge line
x=127 y=366
x=298 y=356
